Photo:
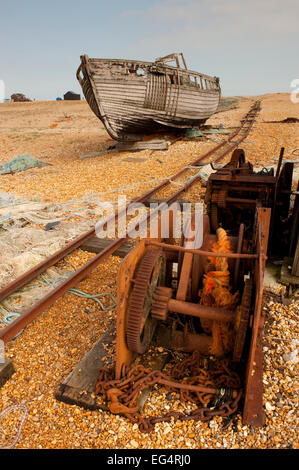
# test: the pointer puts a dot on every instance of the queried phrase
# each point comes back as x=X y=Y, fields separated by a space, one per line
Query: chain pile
x=215 y=390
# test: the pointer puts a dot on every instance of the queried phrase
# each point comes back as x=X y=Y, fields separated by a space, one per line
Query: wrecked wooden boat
x=135 y=98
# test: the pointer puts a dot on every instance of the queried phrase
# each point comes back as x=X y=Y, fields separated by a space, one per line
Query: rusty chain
x=215 y=390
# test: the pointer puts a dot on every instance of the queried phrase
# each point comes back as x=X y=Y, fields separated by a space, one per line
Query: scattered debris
x=205 y=131
x=288 y=120
x=19 y=97
x=21 y=163
x=292 y=356
x=134 y=159
x=142 y=145
x=94 y=154
x=51 y=225
x=205 y=172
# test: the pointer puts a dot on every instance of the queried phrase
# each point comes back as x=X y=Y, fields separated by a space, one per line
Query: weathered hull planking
x=135 y=98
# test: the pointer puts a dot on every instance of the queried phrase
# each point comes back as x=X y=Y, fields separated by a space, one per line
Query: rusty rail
x=33 y=312
x=78 y=241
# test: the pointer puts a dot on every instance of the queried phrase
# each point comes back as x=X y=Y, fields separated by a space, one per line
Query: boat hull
x=131 y=105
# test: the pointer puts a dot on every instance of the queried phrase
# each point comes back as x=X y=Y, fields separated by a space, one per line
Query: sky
x=252 y=45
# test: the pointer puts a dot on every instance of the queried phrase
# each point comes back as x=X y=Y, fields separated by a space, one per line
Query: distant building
x=19 y=97
x=71 y=95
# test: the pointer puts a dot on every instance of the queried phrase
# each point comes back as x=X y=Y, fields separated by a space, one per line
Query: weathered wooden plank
x=150 y=144
x=122 y=91
x=119 y=90
x=99 y=64
x=96 y=245
x=78 y=386
x=121 y=95
x=6 y=371
x=143 y=121
x=138 y=95
x=161 y=200
x=197 y=106
x=144 y=115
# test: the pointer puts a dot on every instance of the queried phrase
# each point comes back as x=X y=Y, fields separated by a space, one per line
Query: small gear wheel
x=159 y=309
x=141 y=325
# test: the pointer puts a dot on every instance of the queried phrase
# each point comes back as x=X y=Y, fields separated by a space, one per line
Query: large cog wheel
x=141 y=325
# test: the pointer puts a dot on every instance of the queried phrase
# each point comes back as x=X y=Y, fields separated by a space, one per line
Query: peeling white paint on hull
x=136 y=98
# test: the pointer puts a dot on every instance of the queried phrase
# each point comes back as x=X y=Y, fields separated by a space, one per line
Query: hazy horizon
x=250 y=46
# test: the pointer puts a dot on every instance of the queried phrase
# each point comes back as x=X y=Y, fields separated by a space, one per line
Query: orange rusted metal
x=221 y=258
x=253 y=412
x=201 y=311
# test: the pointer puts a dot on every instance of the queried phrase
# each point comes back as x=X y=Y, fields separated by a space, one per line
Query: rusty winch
x=204 y=301
x=235 y=190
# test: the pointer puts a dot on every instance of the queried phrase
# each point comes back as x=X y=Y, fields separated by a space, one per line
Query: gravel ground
x=52 y=345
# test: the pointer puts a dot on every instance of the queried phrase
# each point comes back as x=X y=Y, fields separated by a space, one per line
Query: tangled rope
x=217 y=292
x=8 y=317
x=80 y=293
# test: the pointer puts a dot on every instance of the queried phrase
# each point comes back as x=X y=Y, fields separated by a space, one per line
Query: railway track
x=213 y=156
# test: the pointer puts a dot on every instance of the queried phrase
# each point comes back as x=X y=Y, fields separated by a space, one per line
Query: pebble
x=134 y=444
x=291 y=357
x=70 y=332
